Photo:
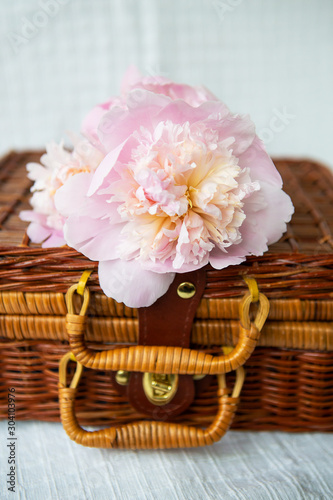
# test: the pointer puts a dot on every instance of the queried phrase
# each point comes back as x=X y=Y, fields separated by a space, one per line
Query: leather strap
x=168 y=322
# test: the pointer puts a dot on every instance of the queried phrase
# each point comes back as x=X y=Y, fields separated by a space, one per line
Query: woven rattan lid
x=300 y=265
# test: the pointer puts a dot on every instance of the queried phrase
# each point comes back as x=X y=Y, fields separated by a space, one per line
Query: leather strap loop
x=168 y=322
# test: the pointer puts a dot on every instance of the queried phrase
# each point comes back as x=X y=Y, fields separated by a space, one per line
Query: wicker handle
x=149 y=434
x=160 y=359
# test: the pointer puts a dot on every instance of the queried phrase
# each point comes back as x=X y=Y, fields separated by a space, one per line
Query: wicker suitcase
x=289 y=376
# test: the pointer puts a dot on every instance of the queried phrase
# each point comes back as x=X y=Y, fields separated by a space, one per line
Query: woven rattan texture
x=299 y=265
x=293 y=323
x=284 y=389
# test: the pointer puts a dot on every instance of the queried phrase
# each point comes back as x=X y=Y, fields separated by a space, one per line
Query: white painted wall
x=269 y=58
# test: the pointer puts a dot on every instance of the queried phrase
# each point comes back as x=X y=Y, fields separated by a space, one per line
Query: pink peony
x=96 y=119
x=183 y=183
x=57 y=165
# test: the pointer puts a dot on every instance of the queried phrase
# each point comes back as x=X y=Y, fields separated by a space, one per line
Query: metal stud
x=122 y=377
x=186 y=290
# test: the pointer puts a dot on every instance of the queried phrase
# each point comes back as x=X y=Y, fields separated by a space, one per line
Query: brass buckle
x=159 y=388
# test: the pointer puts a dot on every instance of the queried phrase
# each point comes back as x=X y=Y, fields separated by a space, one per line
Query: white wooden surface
x=243 y=466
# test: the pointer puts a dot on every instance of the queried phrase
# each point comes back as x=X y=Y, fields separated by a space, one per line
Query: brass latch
x=160 y=388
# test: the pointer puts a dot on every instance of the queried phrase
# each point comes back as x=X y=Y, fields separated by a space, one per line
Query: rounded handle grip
x=159 y=359
x=147 y=434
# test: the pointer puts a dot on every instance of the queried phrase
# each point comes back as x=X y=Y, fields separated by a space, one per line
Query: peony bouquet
x=164 y=180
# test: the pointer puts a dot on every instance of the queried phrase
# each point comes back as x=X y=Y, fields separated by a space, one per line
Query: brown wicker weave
x=289 y=377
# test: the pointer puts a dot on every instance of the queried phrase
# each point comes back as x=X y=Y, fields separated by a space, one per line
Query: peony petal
x=107 y=165
x=145 y=100
x=55 y=240
x=194 y=96
x=161 y=85
x=90 y=123
x=128 y=282
x=241 y=128
x=32 y=216
x=72 y=199
x=260 y=164
x=37 y=232
x=118 y=123
x=38 y=173
x=180 y=112
x=261 y=227
x=221 y=260
x=95 y=238
x=253 y=242
x=167 y=266
x=272 y=220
